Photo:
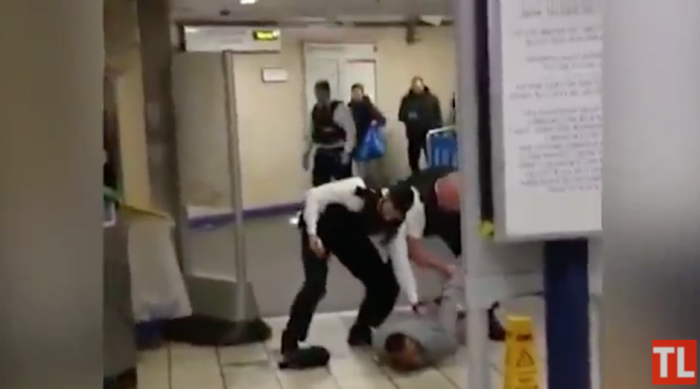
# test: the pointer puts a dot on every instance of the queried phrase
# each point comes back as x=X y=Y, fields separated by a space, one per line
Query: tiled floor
x=254 y=367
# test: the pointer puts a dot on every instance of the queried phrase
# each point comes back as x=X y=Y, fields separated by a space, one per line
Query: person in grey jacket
x=424 y=340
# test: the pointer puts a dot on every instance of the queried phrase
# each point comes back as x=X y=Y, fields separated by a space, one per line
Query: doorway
x=342 y=65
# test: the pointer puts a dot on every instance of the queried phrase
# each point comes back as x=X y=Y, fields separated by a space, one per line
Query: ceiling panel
x=283 y=9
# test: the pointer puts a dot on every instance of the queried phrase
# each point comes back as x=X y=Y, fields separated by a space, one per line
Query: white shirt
x=337 y=192
x=343 y=192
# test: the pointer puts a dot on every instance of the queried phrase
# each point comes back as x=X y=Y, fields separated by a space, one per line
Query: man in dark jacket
x=365 y=115
x=420 y=112
x=331 y=138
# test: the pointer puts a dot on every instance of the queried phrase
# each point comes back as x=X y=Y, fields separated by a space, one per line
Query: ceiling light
x=246 y=2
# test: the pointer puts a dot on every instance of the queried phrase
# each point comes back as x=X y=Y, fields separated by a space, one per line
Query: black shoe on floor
x=289 y=344
x=496 y=331
x=360 y=336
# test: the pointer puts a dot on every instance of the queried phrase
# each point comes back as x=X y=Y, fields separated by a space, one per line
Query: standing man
x=420 y=112
x=365 y=115
x=332 y=137
x=437 y=214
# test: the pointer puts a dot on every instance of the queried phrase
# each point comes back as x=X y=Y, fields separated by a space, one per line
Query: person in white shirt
x=338 y=219
x=438 y=215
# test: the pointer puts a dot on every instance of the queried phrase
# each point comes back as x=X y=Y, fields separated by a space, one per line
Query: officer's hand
x=450 y=271
x=316 y=246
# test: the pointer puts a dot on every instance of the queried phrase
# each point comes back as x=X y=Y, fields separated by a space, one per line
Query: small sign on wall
x=274 y=75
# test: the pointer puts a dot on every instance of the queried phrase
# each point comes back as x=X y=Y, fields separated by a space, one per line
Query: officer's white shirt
x=343 y=192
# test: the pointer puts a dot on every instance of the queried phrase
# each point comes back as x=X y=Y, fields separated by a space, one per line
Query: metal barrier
x=441 y=147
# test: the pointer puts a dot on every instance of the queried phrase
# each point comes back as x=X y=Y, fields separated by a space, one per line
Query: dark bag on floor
x=306 y=358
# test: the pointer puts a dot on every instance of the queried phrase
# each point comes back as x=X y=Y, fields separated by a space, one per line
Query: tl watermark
x=674 y=362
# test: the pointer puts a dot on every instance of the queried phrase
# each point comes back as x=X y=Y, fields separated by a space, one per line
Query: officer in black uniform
x=332 y=137
x=338 y=219
x=442 y=220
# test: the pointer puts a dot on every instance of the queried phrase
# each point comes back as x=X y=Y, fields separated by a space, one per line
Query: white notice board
x=548 y=118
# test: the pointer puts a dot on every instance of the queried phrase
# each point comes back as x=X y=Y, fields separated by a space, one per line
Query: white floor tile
x=455 y=373
x=185 y=353
x=153 y=375
x=366 y=382
x=353 y=366
x=430 y=378
x=307 y=379
x=254 y=366
x=256 y=376
x=154 y=357
x=236 y=355
x=196 y=379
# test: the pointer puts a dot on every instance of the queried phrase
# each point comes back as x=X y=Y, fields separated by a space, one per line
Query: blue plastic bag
x=372 y=145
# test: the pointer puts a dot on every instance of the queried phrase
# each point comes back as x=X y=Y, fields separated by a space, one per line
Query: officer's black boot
x=360 y=335
x=290 y=344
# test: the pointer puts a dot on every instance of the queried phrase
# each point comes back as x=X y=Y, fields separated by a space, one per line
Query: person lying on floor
x=424 y=340
x=338 y=219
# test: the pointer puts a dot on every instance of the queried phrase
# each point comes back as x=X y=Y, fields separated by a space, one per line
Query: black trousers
x=416 y=147
x=345 y=237
x=329 y=166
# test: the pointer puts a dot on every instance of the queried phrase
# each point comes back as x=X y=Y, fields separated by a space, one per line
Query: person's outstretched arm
x=452 y=297
x=398 y=252
x=419 y=254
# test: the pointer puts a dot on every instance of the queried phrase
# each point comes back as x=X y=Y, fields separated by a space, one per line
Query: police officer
x=438 y=214
x=332 y=137
x=339 y=218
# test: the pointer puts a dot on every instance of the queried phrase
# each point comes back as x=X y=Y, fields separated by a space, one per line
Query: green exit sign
x=266 y=35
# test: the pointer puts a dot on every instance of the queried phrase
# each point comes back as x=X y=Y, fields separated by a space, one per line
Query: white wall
x=272 y=118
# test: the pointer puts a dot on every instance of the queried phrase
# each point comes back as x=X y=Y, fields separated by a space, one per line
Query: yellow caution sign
x=521 y=371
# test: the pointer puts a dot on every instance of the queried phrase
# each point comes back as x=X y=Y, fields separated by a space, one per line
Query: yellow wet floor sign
x=521 y=370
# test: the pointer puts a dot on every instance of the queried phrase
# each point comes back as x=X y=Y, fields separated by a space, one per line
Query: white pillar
x=651 y=196
x=478 y=364
x=50 y=201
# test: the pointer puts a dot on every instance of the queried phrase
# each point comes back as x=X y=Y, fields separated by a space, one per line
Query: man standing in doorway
x=332 y=137
x=420 y=112
x=366 y=115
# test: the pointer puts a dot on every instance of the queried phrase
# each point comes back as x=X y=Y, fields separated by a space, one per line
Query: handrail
x=440 y=130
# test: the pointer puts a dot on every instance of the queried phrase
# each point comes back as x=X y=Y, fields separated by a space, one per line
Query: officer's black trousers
x=344 y=235
x=329 y=166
